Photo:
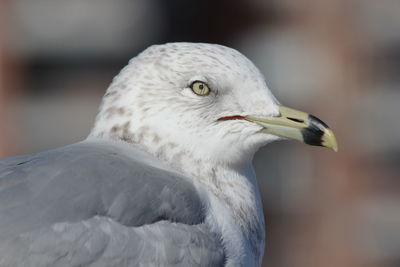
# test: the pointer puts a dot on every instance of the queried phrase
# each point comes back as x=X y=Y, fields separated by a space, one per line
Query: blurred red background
x=337 y=59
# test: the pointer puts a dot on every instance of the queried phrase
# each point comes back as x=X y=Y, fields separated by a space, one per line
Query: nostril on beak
x=295 y=119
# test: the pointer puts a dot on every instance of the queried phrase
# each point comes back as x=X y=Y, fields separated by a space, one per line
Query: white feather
x=150 y=103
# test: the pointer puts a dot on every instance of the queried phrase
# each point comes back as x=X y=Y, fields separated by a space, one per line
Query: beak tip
x=335 y=148
x=329 y=140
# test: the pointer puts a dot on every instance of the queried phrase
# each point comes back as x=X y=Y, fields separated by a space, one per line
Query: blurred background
x=337 y=59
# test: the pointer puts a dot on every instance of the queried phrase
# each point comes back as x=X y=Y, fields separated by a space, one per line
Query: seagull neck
x=234 y=207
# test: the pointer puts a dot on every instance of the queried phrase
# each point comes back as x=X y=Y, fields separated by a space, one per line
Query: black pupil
x=201 y=86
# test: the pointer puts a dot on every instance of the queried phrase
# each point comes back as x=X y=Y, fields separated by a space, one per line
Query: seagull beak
x=298 y=125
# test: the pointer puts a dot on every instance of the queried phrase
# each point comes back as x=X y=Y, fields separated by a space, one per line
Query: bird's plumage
x=101 y=204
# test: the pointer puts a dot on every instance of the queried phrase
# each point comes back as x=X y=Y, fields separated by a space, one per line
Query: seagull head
x=205 y=101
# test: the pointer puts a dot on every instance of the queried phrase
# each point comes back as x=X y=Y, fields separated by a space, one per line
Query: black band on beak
x=314 y=132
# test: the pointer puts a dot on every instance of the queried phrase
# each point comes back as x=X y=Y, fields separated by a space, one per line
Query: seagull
x=165 y=177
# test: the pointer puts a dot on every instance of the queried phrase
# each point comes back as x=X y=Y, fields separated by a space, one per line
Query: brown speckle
x=160 y=151
x=172 y=145
x=156 y=138
x=177 y=159
x=121 y=111
x=115 y=129
x=126 y=125
x=127 y=138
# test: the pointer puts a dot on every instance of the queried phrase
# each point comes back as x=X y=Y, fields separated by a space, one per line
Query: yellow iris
x=200 y=88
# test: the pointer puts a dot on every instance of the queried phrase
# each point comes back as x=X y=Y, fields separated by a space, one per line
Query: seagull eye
x=200 y=88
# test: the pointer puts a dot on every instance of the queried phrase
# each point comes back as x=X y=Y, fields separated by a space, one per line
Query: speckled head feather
x=150 y=103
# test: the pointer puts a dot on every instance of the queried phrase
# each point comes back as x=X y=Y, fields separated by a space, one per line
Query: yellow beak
x=297 y=125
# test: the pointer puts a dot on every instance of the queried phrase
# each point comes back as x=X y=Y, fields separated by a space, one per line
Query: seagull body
x=164 y=178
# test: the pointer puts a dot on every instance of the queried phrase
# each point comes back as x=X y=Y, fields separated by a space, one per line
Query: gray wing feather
x=101 y=241
x=100 y=203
